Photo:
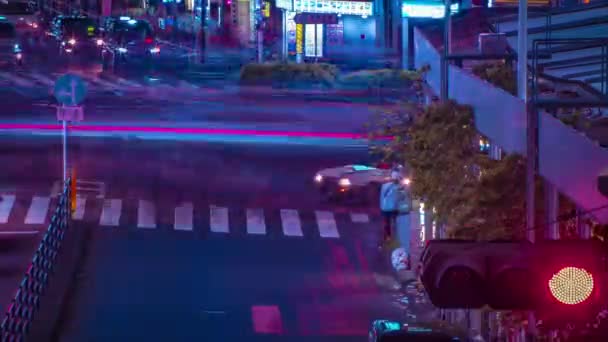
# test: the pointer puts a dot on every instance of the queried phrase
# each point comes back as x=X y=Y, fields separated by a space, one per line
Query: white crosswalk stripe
x=6 y=205
x=359 y=217
x=145 y=215
x=255 y=222
x=81 y=203
x=183 y=217
x=17 y=79
x=327 y=224
x=291 y=222
x=110 y=214
x=219 y=219
x=37 y=210
x=45 y=80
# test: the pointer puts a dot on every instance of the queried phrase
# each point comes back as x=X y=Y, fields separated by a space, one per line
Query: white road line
x=42 y=79
x=359 y=218
x=20 y=232
x=327 y=224
x=110 y=214
x=183 y=217
x=81 y=203
x=17 y=79
x=38 y=210
x=219 y=219
x=6 y=205
x=146 y=215
x=291 y=222
x=255 y=222
x=56 y=189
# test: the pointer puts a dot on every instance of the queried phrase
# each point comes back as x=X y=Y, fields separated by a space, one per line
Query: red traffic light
x=571 y=285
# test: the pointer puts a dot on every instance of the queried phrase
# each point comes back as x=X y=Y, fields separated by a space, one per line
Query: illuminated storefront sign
x=313 y=46
x=338 y=7
x=425 y=10
x=299 y=38
x=284 y=4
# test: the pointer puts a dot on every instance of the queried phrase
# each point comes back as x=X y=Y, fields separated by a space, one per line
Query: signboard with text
x=316 y=18
x=284 y=4
x=337 y=7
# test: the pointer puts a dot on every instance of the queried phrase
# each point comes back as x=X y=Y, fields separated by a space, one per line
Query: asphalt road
x=250 y=257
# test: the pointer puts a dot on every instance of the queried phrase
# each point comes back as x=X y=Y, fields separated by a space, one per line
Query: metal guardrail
x=542 y=44
x=26 y=302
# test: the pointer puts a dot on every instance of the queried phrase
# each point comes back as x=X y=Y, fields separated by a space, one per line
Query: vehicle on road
x=77 y=35
x=129 y=41
x=353 y=182
x=24 y=15
x=390 y=331
x=11 y=53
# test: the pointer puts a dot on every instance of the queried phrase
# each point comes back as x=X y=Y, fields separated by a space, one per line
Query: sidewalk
x=330 y=94
x=420 y=308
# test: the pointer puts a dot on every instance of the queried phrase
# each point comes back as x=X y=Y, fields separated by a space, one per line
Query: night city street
x=211 y=282
x=303 y=170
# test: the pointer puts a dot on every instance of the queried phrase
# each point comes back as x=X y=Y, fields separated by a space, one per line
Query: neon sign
x=336 y=7
x=421 y=10
x=284 y=4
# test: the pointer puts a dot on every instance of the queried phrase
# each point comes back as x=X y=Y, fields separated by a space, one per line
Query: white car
x=353 y=182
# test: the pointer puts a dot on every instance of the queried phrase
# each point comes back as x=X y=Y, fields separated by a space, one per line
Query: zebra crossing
x=148 y=215
x=38 y=82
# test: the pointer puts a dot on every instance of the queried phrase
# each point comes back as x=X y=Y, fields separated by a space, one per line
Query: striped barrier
x=21 y=313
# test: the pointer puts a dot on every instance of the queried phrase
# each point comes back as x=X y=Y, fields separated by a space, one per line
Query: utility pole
x=447 y=48
x=259 y=26
x=531 y=111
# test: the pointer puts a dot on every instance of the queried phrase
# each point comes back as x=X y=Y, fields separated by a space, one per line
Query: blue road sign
x=70 y=90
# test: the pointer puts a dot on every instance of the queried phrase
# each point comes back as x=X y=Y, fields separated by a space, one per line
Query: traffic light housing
x=558 y=278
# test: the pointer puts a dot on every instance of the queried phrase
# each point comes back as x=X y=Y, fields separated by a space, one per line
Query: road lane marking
x=20 y=232
x=183 y=217
x=255 y=222
x=327 y=224
x=359 y=218
x=38 y=210
x=291 y=222
x=266 y=319
x=145 y=215
x=110 y=214
x=81 y=203
x=219 y=219
x=6 y=205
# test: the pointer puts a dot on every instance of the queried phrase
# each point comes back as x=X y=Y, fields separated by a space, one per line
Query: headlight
x=318 y=178
x=19 y=56
x=155 y=50
x=344 y=182
x=99 y=42
x=72 y=41
x=122 y=50
x=406 y=181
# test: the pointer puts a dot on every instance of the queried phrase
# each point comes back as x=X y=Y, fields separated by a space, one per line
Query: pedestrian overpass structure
x=573 y=58
x=570 y=158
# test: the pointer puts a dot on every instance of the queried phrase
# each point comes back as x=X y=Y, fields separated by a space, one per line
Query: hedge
x=287 y=75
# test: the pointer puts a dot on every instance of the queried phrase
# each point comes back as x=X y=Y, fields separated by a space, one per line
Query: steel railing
x=25 y=304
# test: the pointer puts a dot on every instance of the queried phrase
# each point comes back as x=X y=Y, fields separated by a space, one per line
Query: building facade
x=326 y=29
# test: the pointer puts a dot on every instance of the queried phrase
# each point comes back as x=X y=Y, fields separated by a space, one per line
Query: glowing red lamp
x=571 y=285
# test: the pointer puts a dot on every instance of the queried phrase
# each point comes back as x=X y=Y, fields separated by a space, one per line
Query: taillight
x=149 y=40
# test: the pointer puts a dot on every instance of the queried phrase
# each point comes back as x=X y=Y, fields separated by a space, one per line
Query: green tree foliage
x=499 y=74
x=475 y=196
